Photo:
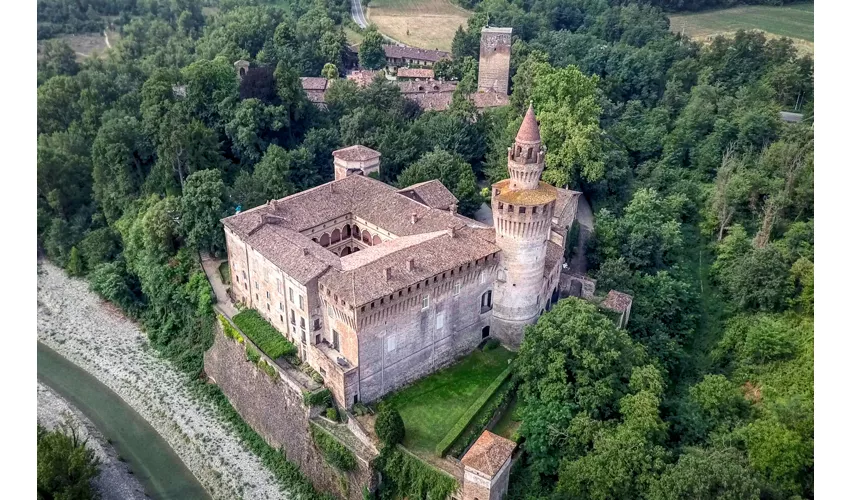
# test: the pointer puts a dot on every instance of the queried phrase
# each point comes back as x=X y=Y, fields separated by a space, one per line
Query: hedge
x=262 y=333
x=335 y=453
x=474 y=429
x=320 y=397
x=229 y=331
x=406 y=476
x=455 y=432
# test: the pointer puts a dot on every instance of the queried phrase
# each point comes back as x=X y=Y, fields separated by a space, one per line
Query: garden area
x=263 y=334
x=445 y=403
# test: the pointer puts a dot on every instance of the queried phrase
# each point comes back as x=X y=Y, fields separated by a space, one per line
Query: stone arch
x=346 y=231
x=325 y=240
x=355 y=231
x=367 y=237
x=376 y=240
x=335 y=236
x=345 y=251
x=315 y=240
x=355 y=249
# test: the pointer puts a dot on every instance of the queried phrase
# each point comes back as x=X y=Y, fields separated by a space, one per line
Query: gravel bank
x=115 y=481
x=93 y=334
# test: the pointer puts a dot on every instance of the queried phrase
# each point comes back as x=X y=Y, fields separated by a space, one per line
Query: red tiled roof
x=314 y=83
x=415 y=73
x=399 y=52
x=529 y=131
x=489 y=453
x=356 y=153
x=617 y=301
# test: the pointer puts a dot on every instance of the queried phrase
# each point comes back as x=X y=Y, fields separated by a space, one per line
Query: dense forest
x=704 y=202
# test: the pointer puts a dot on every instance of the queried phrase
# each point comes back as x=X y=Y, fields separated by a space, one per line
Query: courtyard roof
x=489 y=453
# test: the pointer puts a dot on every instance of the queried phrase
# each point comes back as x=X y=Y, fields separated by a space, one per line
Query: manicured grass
x=793 y=21
x=224 y=271
x=428 y=24
x=432 y=406
x=262 y=333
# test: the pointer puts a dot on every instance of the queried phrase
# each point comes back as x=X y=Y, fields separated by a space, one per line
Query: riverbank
x=116 y=481
x=95 y=336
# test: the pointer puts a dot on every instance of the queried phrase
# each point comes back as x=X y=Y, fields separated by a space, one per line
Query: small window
x=268 y=295
x=425 y=301
x=522 y=210
x=441 y=319
x=301 y=302
x=256 y=285
x=281 y=318
x=280 y=306
x=391 y=344
x=457 y=288
x=303 y=323
x=292 y=317
x=534 y=210
x=291 y=295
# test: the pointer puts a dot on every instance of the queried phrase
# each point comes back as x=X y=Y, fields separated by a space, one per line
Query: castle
x=379 y=286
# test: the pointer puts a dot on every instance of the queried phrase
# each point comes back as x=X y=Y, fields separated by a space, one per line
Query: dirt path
x=210 y=266
x=106 y=39
x=90 y=333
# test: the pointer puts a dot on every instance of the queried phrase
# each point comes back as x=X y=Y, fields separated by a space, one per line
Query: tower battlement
x=494 y=60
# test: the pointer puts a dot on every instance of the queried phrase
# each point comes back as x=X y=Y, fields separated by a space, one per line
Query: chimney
x=410 y=264
x=452 y=232
x=453 y=209
x=414 y=218
x=388 y=273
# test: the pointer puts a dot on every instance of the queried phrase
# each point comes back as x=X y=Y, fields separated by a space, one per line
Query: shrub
x=268 y=369
x=320 y=397
x=407 y=476
x=334 y=452
x=456 y=431
x=262 y=333
x=75 y=263
x=360 y=409
x=479 y=423
x=491 y=344
x=252 y=354
x=389 y=426
x=229 y=331
x=332 y=414
x=65 y=466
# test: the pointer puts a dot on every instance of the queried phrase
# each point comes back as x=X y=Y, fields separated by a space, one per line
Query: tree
x=57 y=58
x=253 y=127
x=211 y=90
x=707 y=474
x=57 y=103
x=452 y=171
x=330 y=71
x=371 y=52
x=758 y=280
x=272 y=173
x=573 y=360
x=389 y=426
x=568 y=109
x=202 y=209
x=66 y=467
x=75 y=265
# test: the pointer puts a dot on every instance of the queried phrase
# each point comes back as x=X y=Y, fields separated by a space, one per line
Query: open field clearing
x=428 y=24
x=86 y=44
x=794 y=21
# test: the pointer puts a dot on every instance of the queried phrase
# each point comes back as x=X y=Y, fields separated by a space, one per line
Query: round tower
x=522 y=216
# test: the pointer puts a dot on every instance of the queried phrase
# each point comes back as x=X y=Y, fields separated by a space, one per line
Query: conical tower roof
x=529 y=132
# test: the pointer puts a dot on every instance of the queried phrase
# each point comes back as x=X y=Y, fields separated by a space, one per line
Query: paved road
x=358 y=14
x=154 y=463
x=210 y=266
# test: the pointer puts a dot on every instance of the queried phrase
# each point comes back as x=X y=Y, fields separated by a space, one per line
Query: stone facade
x=379 y=286
x=487 y=467
x=275 y=409
x=494 y=60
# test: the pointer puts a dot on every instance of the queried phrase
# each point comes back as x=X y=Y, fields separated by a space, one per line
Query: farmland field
x=428 y=24
x=795 y=21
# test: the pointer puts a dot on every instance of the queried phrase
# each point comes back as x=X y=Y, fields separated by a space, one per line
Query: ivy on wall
x=334 y=452
x=405 y=476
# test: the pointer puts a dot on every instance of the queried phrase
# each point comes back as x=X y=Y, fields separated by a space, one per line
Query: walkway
x=153 y=462
x=210 y=265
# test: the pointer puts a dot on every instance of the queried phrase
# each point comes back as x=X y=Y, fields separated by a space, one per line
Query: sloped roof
x=314 y=83
x=356 y=153
x=415 y=73
x=399 y=52
x=432 y=193
x=617 y=301
x=529 y=131
x=489 y=453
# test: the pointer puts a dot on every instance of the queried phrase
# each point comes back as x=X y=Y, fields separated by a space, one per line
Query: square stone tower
x=494 y=62
x=487 y=468
x=355 y=160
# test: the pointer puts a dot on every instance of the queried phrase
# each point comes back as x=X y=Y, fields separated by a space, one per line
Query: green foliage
x=405 y=476
x=371 y=51
x=75 y=263
x=66 y=467
x=389 y=426
x=491 y=344
x=474 y=409
x=449 y=169
x=498 y=401
x=263 y=334
x=202 y=208
x=332 y=414
x=322 y=397
x=268 y=369
x=704 y=474
x=252 y=354
x=335 y=453
x=228 y=329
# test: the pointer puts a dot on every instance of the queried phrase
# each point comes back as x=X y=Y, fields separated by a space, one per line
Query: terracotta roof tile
x=489 y=453
x=399 y=52
x=356 y=153
x=415 y=73
x=314 y=83
x=529 y=131
x=432 y=193
x=617 y=301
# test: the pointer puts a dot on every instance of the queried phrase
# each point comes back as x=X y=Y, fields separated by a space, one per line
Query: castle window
x=457 y=288
x=522 y=210
x=335 y=339
x=346 y=231
x=534 y=210
x=317 y=324
x=268 y=295
x=281 y=317
x=280 y=307
x=486 y=301
x=501 y=205
x=301 y=302
x=426 y=299
x=303 y=323
x=257 y=285
x=325 y=240
x=441 y=319
x=291 y=295
x=292 y=317
x=510 y=208
x=335 y=236
x=268 y=307
x=391 y=344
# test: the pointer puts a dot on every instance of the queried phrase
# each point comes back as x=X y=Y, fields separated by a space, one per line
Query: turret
x=522 y=215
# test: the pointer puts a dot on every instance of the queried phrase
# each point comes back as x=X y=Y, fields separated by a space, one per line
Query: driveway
x=358 y=14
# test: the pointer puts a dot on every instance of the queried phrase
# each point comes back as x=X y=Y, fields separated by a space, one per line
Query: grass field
x=794 y=21
x=86 y=44
x=428 y=24
x=432 y=405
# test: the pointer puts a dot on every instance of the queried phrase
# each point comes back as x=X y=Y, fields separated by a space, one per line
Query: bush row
x=335 y=453
x=229 y=331
x=405 y=476
x=262 y=333
x=482 y=419
x=455 y=432
x=320 y=397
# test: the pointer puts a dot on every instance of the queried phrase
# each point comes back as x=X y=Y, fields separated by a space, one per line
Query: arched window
x=486 y=301
x=345 y=251
x=355 y=231
x=325 y=240
x=377 y=240
x=367 y=238
x=346 y=231
x=335 y=236
x=355 y=249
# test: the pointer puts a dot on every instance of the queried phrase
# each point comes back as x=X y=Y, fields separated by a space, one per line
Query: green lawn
x=793 y=21
x=508 y=424
x=431 y=406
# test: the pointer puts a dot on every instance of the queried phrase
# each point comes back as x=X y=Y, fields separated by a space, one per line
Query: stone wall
x=494 y=60
x=276 y=411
